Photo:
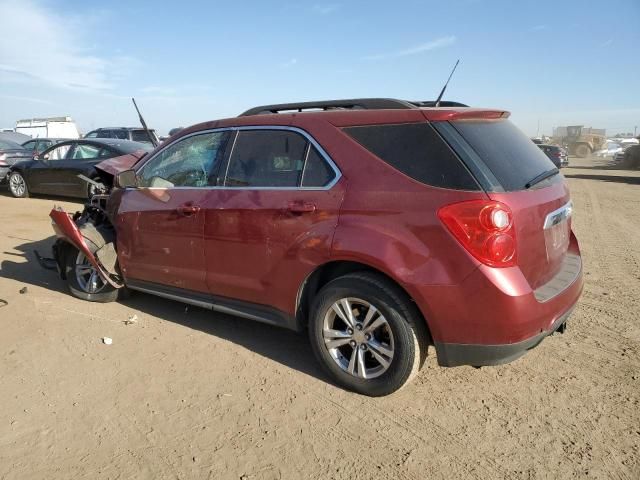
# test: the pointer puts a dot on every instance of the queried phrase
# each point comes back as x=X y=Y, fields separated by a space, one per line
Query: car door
x=41 y=176
x=272 y=222
x=79 y=161
x=160 y=224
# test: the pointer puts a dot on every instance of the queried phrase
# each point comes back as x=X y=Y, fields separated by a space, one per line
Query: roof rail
x=350 y=104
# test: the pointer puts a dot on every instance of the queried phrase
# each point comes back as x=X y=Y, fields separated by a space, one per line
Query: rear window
x=8 y=144
x=417 y=151
x=510 y=155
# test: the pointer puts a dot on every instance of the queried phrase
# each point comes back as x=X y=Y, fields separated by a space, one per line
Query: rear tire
x=18 y=185
x=84 y=281
x=373 y=354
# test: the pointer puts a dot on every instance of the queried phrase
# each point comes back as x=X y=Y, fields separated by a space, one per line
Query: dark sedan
x=10 y=153
x=55 y=171
x=556 y=154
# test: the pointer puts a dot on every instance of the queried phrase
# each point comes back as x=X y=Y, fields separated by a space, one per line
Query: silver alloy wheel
x=17 y=184
x=358 y=338
x=89 y=280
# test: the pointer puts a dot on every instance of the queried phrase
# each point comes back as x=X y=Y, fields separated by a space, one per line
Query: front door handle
x=301 y=207
x=188 y=210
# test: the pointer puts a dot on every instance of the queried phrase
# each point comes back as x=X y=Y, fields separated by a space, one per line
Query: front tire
x=583 y=150
x=84 y=281
x=18 y=185
x=366 y=334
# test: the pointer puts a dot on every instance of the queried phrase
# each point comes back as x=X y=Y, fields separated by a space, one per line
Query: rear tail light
x=484 y=228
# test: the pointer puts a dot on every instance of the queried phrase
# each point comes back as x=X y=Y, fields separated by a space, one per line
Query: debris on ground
x=24 y=290
x=107 y=340
x=131 y=319
x=3 y=303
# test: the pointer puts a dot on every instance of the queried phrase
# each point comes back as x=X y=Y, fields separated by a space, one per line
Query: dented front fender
x=66 y=229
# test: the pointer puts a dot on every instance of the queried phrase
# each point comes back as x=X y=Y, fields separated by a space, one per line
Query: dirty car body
x=330 y=221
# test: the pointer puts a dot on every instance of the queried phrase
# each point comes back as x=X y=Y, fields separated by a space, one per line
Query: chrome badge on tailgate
x=556 y=231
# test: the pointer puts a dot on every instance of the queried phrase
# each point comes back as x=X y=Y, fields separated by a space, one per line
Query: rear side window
x=417 y=151
x=119 y=134
x=140 y=136
x=85 y=152
x=267 y=158
x=512 y=158
x=317 y=172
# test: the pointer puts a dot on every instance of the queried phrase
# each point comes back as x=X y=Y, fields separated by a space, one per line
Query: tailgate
x=511 y=165
x=542 y=218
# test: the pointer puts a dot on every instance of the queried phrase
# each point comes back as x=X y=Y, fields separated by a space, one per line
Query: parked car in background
x=556 y=154
x=55 y=171
x=52 y=127
x=15 y=137
x=375 y=225
x=10 y=153
x=630 y=157
x=124 y=133
x=39 y=145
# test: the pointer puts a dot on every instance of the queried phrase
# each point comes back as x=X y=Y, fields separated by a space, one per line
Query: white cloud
x=538 y=28
x=289 y=63
x=39 y=45
x=325 y=9
x=424 y=47
x=606 y=43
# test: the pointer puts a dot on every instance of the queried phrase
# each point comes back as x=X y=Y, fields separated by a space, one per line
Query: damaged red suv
x=380 y=226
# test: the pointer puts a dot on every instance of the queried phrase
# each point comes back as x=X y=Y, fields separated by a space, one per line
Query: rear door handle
x=188 y=210
x=301 y=207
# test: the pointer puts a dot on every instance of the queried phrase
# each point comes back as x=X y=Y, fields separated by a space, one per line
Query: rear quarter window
x=416 y=150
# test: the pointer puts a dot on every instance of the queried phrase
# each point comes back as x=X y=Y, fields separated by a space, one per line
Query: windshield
x=510 y=155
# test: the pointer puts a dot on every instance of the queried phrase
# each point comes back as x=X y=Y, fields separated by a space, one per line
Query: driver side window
x=191 y=162
x=58 y=153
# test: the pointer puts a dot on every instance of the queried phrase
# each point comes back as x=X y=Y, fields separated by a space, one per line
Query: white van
x=54 y=127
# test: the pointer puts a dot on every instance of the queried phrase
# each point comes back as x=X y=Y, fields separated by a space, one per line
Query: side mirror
x=126 y=179
x=36 y=156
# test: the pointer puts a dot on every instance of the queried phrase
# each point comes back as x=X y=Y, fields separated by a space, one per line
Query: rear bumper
x=456 y=354
x=494 y=316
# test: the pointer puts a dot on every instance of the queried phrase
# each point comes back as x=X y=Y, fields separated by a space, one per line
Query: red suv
x=380 y=226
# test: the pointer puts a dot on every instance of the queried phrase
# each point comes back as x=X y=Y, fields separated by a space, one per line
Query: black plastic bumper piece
x=457 y=354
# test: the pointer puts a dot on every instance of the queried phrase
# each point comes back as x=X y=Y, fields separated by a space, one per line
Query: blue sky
x=549 y=62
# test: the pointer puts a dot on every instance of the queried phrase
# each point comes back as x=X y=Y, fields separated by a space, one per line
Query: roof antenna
x=144 y=124
x=445 y=85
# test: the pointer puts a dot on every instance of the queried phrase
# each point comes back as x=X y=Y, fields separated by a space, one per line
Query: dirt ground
x=184 y=393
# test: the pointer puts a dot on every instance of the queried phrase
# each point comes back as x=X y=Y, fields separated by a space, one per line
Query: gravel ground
x=184 y=393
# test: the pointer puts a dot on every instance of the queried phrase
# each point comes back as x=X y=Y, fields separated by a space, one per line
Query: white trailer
x=53 y=127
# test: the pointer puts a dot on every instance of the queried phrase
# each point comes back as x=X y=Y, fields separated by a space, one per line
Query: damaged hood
x=113 y=166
